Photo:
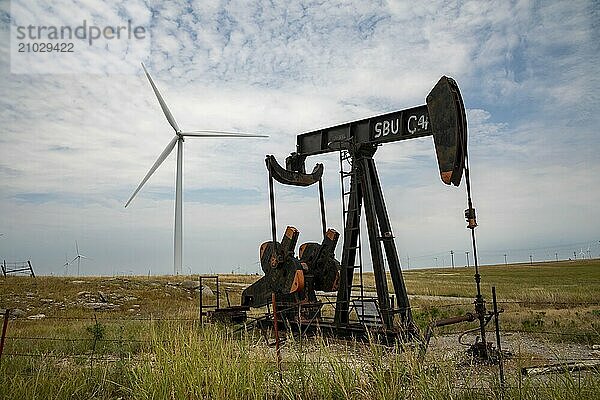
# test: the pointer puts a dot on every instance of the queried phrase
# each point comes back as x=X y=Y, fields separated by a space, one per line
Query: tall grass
x=190 y=362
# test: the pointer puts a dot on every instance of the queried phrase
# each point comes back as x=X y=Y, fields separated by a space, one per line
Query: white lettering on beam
x=413 y=124
x=414 y=129
x=386 y=127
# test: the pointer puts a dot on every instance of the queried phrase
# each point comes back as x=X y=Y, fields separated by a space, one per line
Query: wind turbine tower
x=78 y=257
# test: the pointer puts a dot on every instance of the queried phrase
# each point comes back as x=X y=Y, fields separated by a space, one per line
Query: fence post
x=497 y=323
x=276 y=328
x=200 y=300
x=218 y=291
x=31 y=268
x=4 y=326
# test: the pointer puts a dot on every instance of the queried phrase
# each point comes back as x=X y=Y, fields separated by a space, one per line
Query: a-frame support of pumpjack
x=365 y=191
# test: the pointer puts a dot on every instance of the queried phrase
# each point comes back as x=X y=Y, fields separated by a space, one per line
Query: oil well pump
x=291 y=282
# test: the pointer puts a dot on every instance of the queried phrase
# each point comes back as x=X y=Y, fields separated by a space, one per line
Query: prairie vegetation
x=140 y=338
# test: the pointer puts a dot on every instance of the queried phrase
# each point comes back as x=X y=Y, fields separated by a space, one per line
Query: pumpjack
x=291 y=282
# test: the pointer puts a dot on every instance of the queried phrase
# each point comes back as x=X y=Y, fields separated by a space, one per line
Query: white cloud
x=74 y=146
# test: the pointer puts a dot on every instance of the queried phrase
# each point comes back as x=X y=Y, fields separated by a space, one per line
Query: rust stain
x=298 y=283
x=446 y=177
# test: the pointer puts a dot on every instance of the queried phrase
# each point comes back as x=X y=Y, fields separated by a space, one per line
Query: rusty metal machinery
x=294 y=280
x=443 y=117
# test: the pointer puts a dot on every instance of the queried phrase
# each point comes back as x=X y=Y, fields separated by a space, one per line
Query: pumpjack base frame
x=348 y=331
x=232 y=314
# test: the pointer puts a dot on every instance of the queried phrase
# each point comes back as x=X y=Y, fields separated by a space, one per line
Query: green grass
x=562 y=282
x=558 y=297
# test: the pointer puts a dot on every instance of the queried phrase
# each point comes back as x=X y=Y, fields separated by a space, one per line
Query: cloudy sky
x=79 y=131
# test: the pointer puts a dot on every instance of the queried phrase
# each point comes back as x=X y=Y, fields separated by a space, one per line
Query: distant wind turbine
x=66 y=265
x=78 y=257
x=178 y=140
x=588 y=251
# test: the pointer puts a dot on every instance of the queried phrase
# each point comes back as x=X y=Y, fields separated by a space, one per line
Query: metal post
x=497 y=323
x=272 y=203
x=276 y=328
x=200 y=299
x=322 y=202
x=97 y=336
x=467 y=254
x=4 y=326
x=218 y=291
x=479 y=301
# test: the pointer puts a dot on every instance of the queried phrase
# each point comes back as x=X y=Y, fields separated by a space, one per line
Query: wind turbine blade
x=75 y=259
x=163 y=105
x=159 y=161
x=82 y=256
x=221 y=134
x=77 y=247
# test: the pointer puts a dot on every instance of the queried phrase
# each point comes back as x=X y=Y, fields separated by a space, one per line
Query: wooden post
x=4 y=326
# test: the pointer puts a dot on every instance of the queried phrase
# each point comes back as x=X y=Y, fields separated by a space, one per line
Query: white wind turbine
x=78 y=257
x=589 y=253
x=178 y=139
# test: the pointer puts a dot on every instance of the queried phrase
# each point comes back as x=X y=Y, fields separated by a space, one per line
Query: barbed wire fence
x=94 y=351
x=96 y=337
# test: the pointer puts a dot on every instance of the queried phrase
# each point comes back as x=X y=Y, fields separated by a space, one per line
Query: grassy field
x=569 y=282
x=562 y=297
x=140 y=338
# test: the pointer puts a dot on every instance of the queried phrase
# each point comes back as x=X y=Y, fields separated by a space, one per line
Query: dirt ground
x=520 y=348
